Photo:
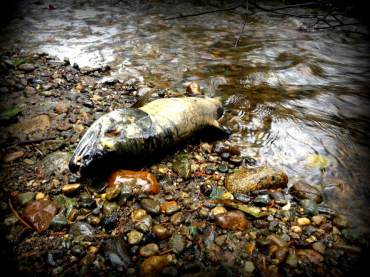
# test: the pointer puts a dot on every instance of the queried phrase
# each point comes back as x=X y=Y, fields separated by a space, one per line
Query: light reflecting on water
x=289 y=95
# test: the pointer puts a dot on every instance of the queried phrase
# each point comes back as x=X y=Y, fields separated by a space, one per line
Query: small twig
x=17 y=215
x=241 y=31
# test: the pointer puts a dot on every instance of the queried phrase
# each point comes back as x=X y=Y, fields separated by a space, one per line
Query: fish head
x=108 y=139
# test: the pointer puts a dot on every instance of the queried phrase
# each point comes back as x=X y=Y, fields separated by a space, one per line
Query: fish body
x=127 y=134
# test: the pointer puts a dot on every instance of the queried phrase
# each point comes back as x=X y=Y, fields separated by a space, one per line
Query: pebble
x=109 y=207
x=292 y=260
x=249 y=267
x=138 y=214
x=246 y=180
x=70 y=188
x=150 y=205
x=26 y=67
x=318 y=220
x=81 y=229
x=233 y=220
x=61 y=108
x=177 y=218
x=149 y=250
x=340 y=221
x=203 y=212
x=309 y=206
x=134 y=237
x=40 y=196
x=217 y=211
x=177 y=243
x=262 y=200
x=113 y=191
x=59 y=222
x=296 y=229
x=161 y=232
x=29 y=90
x=302 y=221
x=169 y=207
x=108 y=222
x=153 y=265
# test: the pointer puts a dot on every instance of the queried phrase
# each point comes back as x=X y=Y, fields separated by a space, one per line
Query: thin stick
x=241 y=31
x=17 y=215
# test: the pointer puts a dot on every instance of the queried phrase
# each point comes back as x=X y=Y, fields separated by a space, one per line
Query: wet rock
x=341 y=221
x=109 y=207
x=292 y=260
x=113 y=191
x=319 y=247
x=40 y=214
x=177 y=218
x=236 y=160
x=246 y=180
x=310 y=255
x=93 y=220
x=318 y=220
x=278 y=197
x=56 y=163
x=152 y=266
x=217 y=211
x=144 y=224
x=305 y=191
x=161 y=232
x=249 y=267
x=302 y=221
x=150 y=205
x=59 y=222
x=149 y=250
x=177 y=243
x=242 y=197
x=10 y=220
x=193 y=88
x=70 y=188
x=277 y=240
x=134 y=237
x=262 y=200
x=137 y=215
x=309 y=206
x=109 y=222
x=26 y=67
x=29 y=91
x=115 y=251
x=38 y=124
x=182 y=166
x=25 y=197
x=223 y=168
x=13 y=156
x=138 y=181
x=81 y=230
x=169 y=207
x=61 y=108
x=233 y=220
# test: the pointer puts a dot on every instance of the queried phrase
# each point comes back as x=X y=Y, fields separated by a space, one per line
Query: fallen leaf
x=40 y=214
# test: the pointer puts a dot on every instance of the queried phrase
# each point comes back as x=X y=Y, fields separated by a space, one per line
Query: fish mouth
x=86 y=151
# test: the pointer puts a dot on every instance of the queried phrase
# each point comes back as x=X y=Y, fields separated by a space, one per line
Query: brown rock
x=193 y=88
x=61 y=108
x=161 y=232
x=305 y=191
x=246 y=180
x=138 y=181
x=310 y=255
x=70 y=188
x=234 y=220
x=169 y=207
x=39 y=123
x=13 y=156
x=154 y=265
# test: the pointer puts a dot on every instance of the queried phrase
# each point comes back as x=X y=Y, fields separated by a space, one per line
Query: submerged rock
x=56 y=163
x=305 y=191
x=40 y=123
x=81 y=229
x=246 y=180
x=115 y=250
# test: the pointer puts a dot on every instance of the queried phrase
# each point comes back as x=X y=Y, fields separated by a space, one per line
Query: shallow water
x=298 y=100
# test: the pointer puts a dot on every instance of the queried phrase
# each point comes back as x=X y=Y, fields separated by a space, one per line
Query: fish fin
x=224 y=130
x=143 y=99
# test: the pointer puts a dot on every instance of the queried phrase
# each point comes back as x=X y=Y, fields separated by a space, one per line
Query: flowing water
x=294 y=99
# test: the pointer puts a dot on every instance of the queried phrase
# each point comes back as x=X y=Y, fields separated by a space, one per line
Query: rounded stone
x=161 y=232
x=149 y=250
x=134 y=237
x=217 y=210
x=177 y=218
x=150 y=205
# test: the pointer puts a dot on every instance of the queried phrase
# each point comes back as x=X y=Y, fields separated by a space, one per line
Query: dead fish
x=125 y=135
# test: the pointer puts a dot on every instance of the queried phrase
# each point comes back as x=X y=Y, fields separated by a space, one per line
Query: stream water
x=294 y=99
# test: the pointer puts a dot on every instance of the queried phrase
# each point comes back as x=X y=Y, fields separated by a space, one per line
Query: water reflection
x=288 y=94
